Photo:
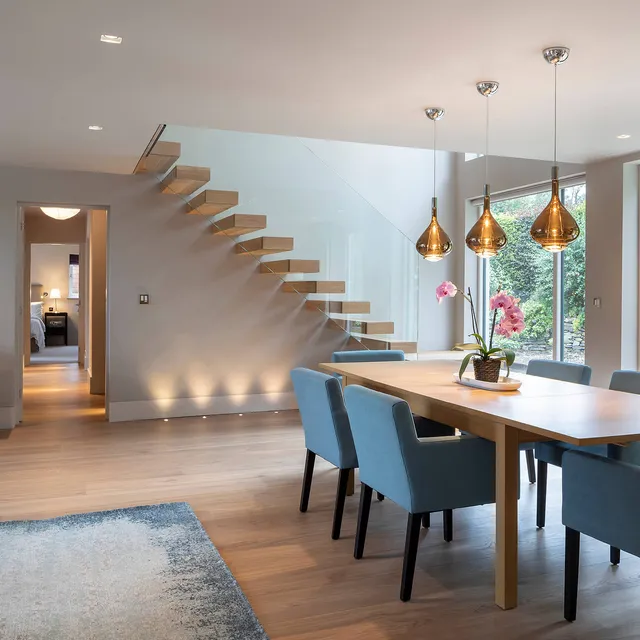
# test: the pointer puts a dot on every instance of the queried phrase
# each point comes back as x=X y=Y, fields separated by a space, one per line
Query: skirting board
x=204 y=405
x=7 y=417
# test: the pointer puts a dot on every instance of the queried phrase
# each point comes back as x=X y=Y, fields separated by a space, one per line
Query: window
x=74 y=275
x=554 y=330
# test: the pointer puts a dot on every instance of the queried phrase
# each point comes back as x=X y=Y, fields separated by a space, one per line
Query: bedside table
x=56 y=325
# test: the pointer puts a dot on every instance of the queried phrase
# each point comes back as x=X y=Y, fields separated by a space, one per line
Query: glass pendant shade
x=434 y=243
x=486 y=237
x=60 y=213
x=555 y=228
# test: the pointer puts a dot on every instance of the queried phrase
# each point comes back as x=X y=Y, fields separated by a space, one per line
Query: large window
x=554 y=330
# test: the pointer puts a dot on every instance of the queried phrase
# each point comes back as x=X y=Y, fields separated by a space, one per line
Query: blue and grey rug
x=146 y=573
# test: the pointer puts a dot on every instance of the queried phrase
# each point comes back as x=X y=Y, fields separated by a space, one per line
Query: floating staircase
x=185 y=181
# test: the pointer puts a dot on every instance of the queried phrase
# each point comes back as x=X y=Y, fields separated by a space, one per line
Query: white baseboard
x=209 y=405
x=7 y=417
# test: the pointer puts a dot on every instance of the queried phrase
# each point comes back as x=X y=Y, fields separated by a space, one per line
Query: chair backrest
x=556 y=370
x=628 y=382
x=381 y=426
x=324 y=417
x=373 y=355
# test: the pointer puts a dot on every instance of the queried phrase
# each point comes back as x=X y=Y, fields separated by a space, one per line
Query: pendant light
x=60 y=213
x=434 y=244
x=486 y=237
x=555 y=228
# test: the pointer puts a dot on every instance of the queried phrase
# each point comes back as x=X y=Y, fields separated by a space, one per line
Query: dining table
x=541 y=409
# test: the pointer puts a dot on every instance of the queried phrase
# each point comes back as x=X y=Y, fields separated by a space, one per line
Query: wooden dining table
x=542 y=409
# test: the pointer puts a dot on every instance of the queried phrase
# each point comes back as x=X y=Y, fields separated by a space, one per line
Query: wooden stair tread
x=238 y=224
x=185 y=180
x=161 y=158
x=339 y=306
x=264 y=245
x=386 y=342
x=211 y=202
x=314 y=286
x=366 y=327
x=290 y=266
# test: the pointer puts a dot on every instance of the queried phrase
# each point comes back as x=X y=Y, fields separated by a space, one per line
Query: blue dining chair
x=551 y=452
x=425 y=427
x=326 y=433
x=601 y=498
x=420 y=475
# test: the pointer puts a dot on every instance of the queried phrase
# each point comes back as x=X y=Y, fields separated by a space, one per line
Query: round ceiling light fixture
x=60 y=213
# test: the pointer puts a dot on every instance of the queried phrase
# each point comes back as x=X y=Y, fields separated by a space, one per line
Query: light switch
x=144 y=298
x=596 y=303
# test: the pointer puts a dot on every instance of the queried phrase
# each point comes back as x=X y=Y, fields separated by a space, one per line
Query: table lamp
x=55 y=295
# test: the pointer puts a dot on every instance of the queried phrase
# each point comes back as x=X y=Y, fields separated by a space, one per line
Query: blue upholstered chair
x=326 y=433
x=420 y=475
x=551 y=452
x=601 y=498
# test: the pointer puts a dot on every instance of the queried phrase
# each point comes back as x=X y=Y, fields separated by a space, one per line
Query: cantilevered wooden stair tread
x=211 y=202
x=185 y=180
x=239 y=224
x=386 y=342
x=160 y=159
x=290 y=266
x=315 y=286
x=264 y=245
x=339 y=306
x=366 y=327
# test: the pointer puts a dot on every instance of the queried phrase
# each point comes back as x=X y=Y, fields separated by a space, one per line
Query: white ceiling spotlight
x=623 y=136
x=95 y=127
x=110 y=39
x=60 y=213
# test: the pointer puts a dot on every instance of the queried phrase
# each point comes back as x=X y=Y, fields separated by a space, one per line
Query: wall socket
x=144 y=298
x=597 y=303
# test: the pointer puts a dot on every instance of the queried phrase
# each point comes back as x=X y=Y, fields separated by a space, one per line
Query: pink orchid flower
x=502 y=300
x=513 y=314
x=446 y=290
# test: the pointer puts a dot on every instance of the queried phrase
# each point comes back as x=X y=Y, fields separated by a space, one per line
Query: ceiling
x=358 y=70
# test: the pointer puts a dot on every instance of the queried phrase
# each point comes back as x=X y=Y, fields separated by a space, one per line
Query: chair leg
x=410 y=554
x=306 y=480
x=363 y=520
x=542 y=494
x=447 y=523
x=571 y=569
x=614 y=556
x=380 y=496
x=426 y=520
x=341 y=496
x=531 y=465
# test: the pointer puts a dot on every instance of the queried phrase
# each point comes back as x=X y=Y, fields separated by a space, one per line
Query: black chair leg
x=306 y=480
x=380 y=496
x=571 y=570
x=426 y=520
x=614 y=556
x=363 y=520
x=541 y=514
x=341 y=496
x=410 y=554
x=531 y=465
x=447 y=524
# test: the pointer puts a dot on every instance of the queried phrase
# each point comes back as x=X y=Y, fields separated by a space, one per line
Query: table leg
x=351 y=483
x=507 y=477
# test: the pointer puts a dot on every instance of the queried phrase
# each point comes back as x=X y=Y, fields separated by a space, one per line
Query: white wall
x=216 y=337
x=50 y=267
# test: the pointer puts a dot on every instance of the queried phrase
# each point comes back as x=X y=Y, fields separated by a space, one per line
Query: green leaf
x=510 y=356
x=494 y=350
x=465 y=364
x=483 y=344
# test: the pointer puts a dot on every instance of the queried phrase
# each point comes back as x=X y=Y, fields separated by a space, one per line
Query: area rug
x=146 y=573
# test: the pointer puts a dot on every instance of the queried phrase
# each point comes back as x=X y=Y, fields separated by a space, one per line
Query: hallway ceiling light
x=60 y=213
x=486 y=237
x=110 y=39
x=95 y=127
x=434 y=243
x=555 y=228
x=623 y=136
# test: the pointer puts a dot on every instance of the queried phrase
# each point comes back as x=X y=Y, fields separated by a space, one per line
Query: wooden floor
x=242 y=477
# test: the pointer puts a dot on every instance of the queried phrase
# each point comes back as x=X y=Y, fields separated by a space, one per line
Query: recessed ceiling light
x=241 y=414
x=110 y=39
x=95 y=127
x=623 y=136
x=166 y=419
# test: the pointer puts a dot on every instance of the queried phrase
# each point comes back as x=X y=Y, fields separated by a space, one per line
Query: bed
x=37 y=327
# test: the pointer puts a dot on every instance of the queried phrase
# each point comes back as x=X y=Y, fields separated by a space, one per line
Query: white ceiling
x=340 y=69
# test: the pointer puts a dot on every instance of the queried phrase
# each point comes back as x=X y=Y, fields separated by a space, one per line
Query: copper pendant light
x=486 y=237
x=555 y=228
x=434 y=243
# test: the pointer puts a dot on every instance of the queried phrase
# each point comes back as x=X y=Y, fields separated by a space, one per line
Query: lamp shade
x=60 y=213
x=486 y=237
x=55 y=294
x=434 y=243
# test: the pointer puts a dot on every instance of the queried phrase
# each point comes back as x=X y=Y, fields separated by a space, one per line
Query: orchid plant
x=507 y=320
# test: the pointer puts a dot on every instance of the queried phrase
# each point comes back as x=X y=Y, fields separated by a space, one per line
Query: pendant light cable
x=434 y=158
x=486 y=146
x=555 y=113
